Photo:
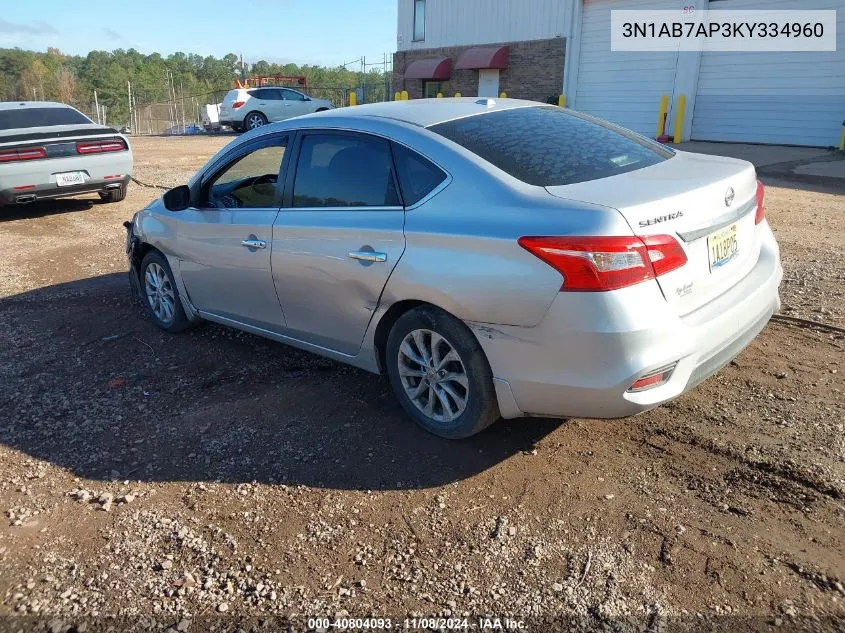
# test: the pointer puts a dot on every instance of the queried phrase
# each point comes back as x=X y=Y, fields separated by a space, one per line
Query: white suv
x=249 y=108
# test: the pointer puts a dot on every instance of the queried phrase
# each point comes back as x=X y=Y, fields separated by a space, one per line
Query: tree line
x=72 y=79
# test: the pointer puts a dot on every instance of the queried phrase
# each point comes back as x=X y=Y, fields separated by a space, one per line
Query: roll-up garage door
x=784 y=98
x=623 y=87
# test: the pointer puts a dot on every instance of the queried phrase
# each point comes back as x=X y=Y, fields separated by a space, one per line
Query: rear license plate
x=722 y=247
x=70 y=178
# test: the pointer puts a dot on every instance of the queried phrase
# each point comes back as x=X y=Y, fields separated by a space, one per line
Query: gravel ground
x=210 y=475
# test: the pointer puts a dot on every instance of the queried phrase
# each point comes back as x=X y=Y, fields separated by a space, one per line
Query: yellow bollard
x=661 y=116
x=458 y=94
x=353 y=99
x=404 y=95
x=842 y=141
x=561 y=101
x=397 y=96
x=679 y=118
x=503 y=95
x=439 y=95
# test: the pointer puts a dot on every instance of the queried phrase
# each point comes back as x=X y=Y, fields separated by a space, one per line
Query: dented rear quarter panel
x=462 y=252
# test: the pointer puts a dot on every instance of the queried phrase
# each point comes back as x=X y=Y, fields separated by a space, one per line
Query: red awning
x=440 y=69
x=484 y=57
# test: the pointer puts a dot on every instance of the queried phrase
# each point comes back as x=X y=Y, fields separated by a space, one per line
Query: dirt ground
x=213 y=473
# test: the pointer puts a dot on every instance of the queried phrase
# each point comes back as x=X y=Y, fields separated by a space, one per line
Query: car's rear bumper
x=27 y=181
x=49 y=191
x=591 y=347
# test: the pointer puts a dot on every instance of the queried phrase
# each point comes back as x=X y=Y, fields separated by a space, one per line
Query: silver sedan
x=493 y=258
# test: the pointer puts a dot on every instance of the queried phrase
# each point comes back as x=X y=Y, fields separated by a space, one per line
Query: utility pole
x=129 y=90
x=97 y=107
x=182 y=96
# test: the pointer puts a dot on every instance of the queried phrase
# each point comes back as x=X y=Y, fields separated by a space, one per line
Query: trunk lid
x=687 y=196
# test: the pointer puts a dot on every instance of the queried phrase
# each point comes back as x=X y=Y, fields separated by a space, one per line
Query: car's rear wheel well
x=386 y=324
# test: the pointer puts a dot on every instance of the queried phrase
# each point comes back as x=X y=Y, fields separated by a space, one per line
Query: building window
x=431 y=88
x=419 y=20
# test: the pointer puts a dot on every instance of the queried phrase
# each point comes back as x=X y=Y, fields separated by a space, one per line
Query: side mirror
x=177 y=199
x=308 y=98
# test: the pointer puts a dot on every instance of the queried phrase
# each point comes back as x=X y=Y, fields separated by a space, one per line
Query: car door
x=272 y=104
x=225 y=241
x=338 y=236
x=295 y=103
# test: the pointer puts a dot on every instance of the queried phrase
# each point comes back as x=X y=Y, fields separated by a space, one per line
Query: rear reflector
x=653 y=379
x=25 y=153
x=113 y=177
x=99 y=147
x=761 y=209
x=24 y=187
x=237 y=104
x=600 y=263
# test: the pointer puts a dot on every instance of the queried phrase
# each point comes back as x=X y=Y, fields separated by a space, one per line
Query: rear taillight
x=237 y=104
x=25 y=153
x=597 y=264
x=761 y=209
x=98 y=147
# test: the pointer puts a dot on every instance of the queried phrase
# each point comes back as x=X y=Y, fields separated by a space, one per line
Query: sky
x=326 y=32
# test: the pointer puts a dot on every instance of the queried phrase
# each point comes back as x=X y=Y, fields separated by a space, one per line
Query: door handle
x=254 y=243
x=368 y=256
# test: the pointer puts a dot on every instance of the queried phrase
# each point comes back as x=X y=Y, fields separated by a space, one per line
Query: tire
x=114 y=195
x=254 y=120
x=425 y=333
x=155 y=274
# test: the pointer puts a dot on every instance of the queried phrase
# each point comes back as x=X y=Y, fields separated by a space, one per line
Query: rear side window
x=38 y=117
x=548 y=146
x=418 y=176
x=268 y=94
x=337 y=170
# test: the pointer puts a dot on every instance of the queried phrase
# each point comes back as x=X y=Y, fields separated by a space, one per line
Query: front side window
x=292 y=95
x=419 y=20
x=548 y=146
x=336 y=170
x=418 y=176
x=249 y=182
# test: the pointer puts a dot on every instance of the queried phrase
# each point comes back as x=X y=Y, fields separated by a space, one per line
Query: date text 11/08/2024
x=490 y=623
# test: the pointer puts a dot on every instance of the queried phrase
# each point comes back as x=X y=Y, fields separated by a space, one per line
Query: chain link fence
x=184 y=115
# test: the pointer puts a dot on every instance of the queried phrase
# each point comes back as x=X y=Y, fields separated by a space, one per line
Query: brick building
x=539 y=49
x=481 y=48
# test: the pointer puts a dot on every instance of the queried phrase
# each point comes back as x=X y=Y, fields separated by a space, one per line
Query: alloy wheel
x=160 y=294
x=433 y=375
x=254 y=121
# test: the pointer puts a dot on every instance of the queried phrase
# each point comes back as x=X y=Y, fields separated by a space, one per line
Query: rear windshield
x=38 y=117
x=548 y=146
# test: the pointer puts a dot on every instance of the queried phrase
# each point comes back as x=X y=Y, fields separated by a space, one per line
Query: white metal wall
x=783 y=98
x=470 y=22
x=622 y=87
